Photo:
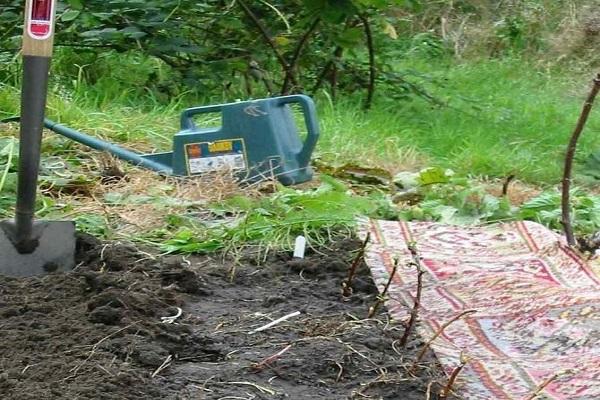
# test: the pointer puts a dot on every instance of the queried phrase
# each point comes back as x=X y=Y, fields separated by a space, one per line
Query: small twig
x=445 y=392
x=381 y=298
x=543 y=385
x=416 y=261
x=428 y=393
x=435 y=336
x=372 y=67
x=265 y=34
x=566 y=182
x=164 y=365
x=267 y=361
x=75 y=369
x=273 y=323
x=341 y=371
x=261 y=389
x=337 y=55
x=506 y=184
x=347 y=284
x=293 y=65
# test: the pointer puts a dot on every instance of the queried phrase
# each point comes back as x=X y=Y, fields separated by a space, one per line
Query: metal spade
x=29 y=247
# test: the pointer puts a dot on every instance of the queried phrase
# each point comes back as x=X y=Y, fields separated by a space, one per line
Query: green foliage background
x=220 y=48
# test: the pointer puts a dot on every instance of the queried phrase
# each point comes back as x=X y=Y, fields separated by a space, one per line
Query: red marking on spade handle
x=40 y=19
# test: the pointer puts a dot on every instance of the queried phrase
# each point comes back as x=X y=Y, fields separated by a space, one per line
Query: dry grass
x=518 y=192
x=144 y=198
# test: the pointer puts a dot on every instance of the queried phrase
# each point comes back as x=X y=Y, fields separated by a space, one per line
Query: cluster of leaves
x=275 y=221
x=546 y=209
x=448 y=199
x=333 y=210
x=442 y=197
x=234 y=47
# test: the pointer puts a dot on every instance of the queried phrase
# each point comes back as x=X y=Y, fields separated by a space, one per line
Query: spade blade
x=55 y=251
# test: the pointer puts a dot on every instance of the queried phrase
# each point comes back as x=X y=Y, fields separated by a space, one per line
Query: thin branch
x=347 y=284
x=566 y=182
x=446 y=390
x=545 y=383
x=435 y=336
x=293 y=65
x=381 y=298
x=331 y=65
x=333 y=80
x=416 y=261
x=372 y=67
x=337 y=54
x=270 y=42
x=506 y=184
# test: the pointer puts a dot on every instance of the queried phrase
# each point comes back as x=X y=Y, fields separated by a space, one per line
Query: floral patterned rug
x=535 y=332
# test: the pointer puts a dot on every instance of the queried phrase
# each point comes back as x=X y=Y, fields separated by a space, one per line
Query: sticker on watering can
x=215 y=156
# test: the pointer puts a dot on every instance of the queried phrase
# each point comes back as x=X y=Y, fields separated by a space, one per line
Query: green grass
x=502 y=117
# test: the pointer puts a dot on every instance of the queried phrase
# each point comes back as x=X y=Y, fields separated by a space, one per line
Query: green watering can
x=257 y=140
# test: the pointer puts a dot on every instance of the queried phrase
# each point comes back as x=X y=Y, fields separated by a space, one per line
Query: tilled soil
x=98 y=333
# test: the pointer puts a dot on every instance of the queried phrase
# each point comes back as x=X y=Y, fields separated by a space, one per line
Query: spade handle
x=37 y=51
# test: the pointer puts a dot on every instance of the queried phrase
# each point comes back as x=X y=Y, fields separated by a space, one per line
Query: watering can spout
x=132 y=157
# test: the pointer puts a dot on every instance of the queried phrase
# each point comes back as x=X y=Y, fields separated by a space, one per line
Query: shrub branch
x=416 y=261
x=381 y=298
x=372 y=68
x=435 y=336
x=347 y=284
x=293 y=65
x=566 y=181
x=263 y=31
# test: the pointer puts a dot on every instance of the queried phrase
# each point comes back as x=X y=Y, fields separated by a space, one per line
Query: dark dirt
x=96 y=333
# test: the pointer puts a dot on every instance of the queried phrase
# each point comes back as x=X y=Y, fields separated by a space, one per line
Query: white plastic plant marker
x=300 y=247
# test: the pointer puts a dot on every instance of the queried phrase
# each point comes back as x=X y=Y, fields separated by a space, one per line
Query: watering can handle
x=187 y=117
x=310 y=119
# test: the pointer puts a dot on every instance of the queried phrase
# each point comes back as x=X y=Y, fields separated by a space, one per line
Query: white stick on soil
x=173 y=318
x=300 y=247
x=273 y=323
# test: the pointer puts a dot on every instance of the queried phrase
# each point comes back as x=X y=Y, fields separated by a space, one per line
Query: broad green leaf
x=70 y=15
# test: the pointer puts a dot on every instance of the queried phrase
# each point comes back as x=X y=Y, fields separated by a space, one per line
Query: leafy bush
x=223 y=47
x=546 y=209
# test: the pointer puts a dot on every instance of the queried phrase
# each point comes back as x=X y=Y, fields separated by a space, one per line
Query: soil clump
x=128 y=325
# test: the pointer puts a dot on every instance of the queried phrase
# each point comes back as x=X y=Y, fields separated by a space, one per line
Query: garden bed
x=97 y=333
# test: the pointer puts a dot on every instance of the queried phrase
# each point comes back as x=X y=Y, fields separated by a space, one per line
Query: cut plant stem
x=506 y=184
x=446 y=390
x=545 y=383
x=435 y=336
x=381 y=298
x=416 y=261
x=347 y=284
x=566 y=181
x=267 y=361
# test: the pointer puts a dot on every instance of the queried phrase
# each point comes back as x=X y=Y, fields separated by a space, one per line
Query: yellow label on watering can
x=214 y=156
